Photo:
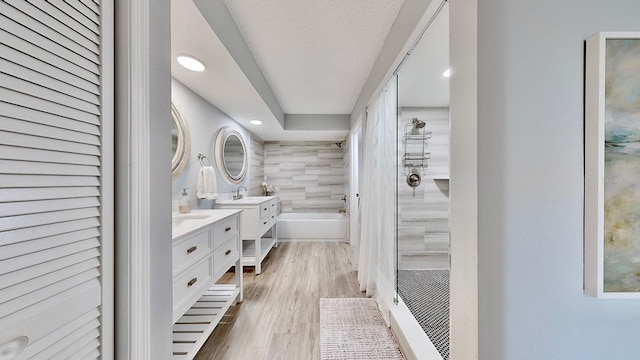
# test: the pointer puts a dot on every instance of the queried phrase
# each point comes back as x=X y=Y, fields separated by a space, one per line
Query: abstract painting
x=612 y=160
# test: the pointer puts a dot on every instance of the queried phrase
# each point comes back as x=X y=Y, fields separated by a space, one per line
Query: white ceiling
x=316 y=56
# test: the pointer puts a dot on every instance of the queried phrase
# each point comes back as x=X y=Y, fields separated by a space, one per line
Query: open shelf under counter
x=249 y=250
x=194 y=327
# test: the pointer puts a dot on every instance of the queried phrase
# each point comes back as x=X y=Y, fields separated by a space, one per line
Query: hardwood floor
x=279 y=317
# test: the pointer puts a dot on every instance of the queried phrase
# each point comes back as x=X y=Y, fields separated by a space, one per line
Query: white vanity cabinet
x=259 y=214
x=206 y=243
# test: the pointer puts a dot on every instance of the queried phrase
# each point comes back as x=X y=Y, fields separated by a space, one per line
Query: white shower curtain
x=376 y=253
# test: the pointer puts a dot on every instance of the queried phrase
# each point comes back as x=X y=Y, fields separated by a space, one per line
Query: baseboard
x=413 y=342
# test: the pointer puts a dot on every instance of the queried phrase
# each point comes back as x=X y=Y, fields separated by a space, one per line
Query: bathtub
x=313 y=226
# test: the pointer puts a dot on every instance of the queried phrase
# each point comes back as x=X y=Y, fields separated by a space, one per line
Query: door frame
x=355 y=148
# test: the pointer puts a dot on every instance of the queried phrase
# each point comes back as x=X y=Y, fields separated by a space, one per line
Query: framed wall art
x=612 y=165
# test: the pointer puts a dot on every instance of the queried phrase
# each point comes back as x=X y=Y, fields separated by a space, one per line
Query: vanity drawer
x=273 y=206
x=189 y=286
x=224 y=231
x=264 y=223
x=272 y=218
x=264 y=209
x=190 y=250
x=225 y=256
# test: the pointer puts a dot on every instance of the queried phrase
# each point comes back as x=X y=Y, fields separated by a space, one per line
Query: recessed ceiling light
x=447 y=73
x=190 y=63
x=256 y=122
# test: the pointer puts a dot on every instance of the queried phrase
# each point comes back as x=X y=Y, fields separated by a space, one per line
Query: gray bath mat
x=355 y=329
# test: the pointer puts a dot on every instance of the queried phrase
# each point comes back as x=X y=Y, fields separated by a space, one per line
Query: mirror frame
x=183 y=149
x=221 y=139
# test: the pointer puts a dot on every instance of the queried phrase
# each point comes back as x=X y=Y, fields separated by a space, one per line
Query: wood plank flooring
x=279 y=317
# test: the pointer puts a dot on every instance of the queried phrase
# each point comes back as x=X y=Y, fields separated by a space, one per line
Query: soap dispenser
x=184 y=205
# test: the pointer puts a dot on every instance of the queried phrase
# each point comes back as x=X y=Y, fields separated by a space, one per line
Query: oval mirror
x=231 y=155
x=180 y=143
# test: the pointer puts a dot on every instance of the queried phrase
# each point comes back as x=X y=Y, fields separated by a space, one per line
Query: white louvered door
x=56 y=179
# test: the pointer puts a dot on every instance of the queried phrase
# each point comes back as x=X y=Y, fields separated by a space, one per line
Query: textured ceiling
x=315 y=54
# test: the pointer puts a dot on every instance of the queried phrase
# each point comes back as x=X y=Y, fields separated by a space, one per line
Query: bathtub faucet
x=238 y=195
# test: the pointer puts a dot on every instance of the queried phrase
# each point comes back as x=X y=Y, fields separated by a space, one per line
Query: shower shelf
x=415 y=143
x=417 y=137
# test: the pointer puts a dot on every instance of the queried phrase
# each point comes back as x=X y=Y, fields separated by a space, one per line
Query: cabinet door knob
x=227 y=252
x=191 y=282
x=227 y=229
x=192 y=249
x=265 y=209
x=265 y=223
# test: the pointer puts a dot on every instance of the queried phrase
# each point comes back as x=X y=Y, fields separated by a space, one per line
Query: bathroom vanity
x=259 y=215
x=206 y=243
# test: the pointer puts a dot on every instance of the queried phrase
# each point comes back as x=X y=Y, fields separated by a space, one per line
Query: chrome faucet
x=238 y=195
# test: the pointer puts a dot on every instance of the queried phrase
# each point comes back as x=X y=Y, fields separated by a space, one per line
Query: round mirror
x=231 y=155
x=180 y=142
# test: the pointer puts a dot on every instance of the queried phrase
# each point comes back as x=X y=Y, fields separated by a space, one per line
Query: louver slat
x=22 y=194
x=44 y=267
x=80 y=8
x=47 y=131
x=55 y=25
x=15 y=84
x=36 y=142
x=9 y=181
x=32 y=246
x=55 y=43
x=47 y=106
x=91 y=6
x=66 y=19
x=89 y=319
x=24 y=46
x=31 y=285
x=76 y=15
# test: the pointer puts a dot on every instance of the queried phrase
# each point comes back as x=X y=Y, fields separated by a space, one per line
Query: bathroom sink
x=191 y=216
x=182 y=224
x=181 y=220
x=246 y=200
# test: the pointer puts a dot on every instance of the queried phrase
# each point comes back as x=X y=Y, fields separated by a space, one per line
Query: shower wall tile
x=309 y=176
x=423 y=221
x=256 y=166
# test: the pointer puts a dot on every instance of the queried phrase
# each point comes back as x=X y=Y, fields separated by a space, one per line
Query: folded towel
x=207 y=188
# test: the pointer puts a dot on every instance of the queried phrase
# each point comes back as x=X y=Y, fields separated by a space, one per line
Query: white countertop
x=183 y=224
x=249 y=200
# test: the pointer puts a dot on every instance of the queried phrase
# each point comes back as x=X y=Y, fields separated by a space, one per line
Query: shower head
x=418 y=124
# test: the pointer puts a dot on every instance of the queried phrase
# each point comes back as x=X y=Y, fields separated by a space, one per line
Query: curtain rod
x=424 y=31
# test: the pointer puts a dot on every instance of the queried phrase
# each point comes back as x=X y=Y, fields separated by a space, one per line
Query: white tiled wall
x=423 y=221
x=256 y=166
x=308 y=176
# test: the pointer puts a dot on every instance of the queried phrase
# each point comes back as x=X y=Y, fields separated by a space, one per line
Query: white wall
x=205 y=120
x=530 y=178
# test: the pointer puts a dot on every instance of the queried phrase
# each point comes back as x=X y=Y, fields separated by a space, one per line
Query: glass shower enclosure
x=422 y=182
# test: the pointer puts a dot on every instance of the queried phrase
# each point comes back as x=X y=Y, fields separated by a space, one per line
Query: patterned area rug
x=354 y=329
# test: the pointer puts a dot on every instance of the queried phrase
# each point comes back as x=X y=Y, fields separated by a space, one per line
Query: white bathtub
x=313 y=226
